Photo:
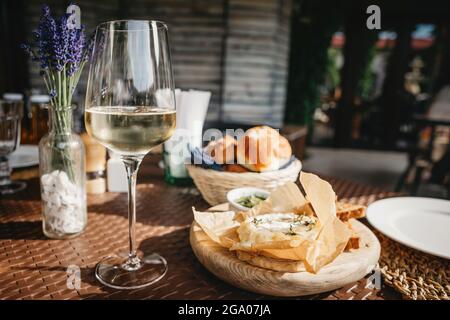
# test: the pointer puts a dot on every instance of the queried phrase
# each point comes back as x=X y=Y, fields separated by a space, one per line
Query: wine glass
x=130 y=108
x=10 y=116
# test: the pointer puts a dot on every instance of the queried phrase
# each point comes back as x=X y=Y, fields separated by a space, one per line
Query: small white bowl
x=237 y=193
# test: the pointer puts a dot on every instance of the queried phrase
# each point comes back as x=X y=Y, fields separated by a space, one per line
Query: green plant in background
x=311 y=33
x=367 y=80
x=333 y=73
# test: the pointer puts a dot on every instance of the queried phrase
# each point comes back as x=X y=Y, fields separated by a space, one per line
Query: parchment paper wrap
x=329 y=240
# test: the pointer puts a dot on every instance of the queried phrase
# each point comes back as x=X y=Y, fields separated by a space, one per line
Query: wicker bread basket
x=214 y=185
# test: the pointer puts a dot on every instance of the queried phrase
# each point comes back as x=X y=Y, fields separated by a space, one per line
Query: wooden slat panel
x=257 y=59
x=196 y=35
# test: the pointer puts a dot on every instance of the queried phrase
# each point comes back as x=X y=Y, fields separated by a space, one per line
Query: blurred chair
x=423 y=156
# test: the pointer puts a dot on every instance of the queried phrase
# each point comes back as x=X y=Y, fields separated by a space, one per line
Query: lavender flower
x=47 y=40
x=62 y=53
x=62 y=46
x=75 y=52
x=29 y=51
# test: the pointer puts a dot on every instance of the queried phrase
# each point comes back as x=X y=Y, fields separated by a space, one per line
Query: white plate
x=25 y=156
x=419 y=223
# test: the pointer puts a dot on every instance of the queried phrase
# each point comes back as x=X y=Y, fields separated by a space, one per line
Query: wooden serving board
x=348 y=267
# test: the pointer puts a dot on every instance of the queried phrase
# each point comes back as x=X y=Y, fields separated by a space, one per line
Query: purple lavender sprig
x=61 y=52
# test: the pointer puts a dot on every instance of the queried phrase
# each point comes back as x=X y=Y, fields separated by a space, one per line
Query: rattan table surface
x=33 y=267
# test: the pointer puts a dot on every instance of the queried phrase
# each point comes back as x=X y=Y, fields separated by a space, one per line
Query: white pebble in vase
x=63 y=204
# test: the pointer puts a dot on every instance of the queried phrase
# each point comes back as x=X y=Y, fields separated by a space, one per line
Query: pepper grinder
x=95 y=165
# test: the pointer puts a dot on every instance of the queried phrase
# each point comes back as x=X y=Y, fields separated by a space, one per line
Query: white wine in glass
x=130 y=130
x=130 y=108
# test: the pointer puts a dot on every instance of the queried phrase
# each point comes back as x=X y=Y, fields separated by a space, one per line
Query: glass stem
x=5 y=171
x=132 y=166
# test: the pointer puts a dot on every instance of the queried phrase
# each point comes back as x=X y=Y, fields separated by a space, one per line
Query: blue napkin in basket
x=200 y=158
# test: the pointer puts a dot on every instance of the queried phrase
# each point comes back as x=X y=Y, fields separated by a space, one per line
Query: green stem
x=59 y=89
x=64 y=86
x=61 y=127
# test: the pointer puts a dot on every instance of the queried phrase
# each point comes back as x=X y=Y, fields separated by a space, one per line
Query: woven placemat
x=416 y=275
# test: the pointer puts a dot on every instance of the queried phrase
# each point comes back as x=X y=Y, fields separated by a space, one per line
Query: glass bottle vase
x=62 y=177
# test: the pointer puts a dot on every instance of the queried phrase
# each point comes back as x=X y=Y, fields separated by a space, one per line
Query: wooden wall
x=196 y=30
x=237 y=49
x=256 y=61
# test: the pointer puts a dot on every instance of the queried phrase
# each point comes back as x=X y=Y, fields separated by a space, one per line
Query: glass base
x=120 y=272
x=13 y=187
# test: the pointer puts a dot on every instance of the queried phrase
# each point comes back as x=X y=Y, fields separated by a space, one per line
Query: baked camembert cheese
x=277 y=227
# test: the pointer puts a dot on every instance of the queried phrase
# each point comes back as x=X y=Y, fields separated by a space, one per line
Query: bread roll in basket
x=263 y=149
x=271 y=165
